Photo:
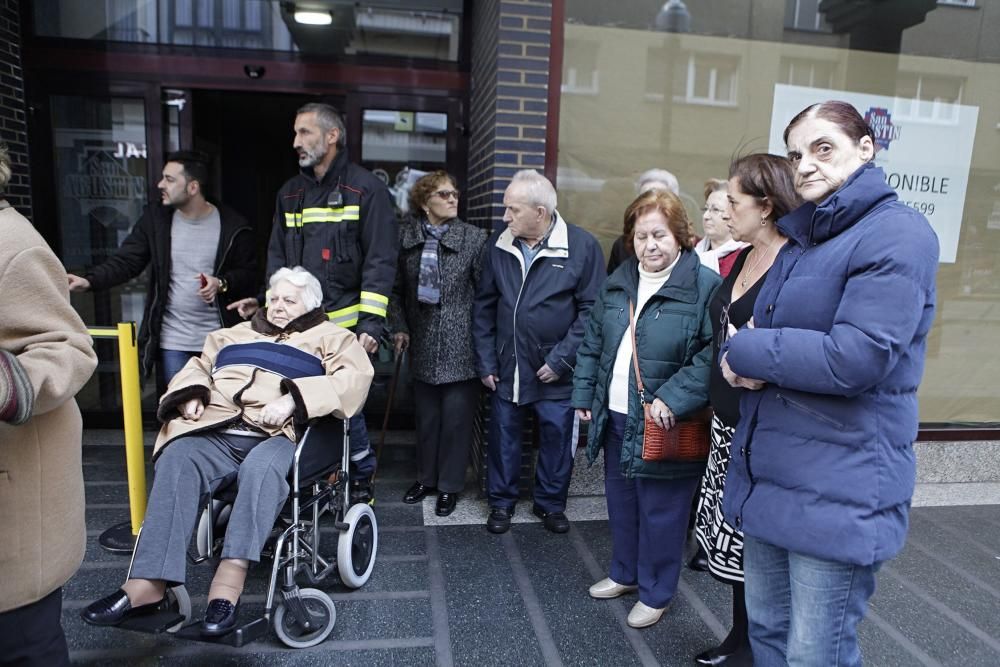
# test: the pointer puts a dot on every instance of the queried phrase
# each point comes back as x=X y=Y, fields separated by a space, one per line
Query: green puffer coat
x=674 y=336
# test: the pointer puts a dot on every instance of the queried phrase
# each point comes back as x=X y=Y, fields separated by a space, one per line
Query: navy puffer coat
x=822 y=460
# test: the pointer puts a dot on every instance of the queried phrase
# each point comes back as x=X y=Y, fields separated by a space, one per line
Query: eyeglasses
x=714 y=210
x=448 y=194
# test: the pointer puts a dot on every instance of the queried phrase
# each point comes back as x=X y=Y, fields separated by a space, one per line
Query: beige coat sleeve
x=39 y=326
x=343 y=390
x=194 y=380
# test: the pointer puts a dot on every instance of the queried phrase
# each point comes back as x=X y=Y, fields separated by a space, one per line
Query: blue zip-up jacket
x=522 y=320
x=822 y=460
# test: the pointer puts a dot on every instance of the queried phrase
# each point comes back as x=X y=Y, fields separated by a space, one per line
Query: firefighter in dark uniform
x=337 y=220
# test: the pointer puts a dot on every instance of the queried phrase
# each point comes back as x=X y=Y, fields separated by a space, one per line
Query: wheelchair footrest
x=244 y=634
x=152 y=623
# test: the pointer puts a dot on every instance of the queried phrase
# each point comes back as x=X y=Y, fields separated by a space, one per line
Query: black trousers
x=444 y=414
x=32 y=635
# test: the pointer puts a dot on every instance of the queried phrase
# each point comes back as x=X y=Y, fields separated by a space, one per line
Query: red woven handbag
x=688 y=440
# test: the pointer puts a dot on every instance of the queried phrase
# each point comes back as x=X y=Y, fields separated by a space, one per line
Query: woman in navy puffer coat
x=822 y=468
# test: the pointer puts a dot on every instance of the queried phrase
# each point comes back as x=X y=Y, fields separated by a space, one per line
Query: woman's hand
x=192 y=409
x=662 y=414
x=584 y=415
x=400 y=342
x=277 y=411
x=735 y=380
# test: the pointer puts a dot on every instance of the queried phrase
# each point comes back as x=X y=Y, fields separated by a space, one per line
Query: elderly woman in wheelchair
x=235 y=413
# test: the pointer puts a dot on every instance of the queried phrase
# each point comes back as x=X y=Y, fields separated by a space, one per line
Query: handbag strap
x=635 y=353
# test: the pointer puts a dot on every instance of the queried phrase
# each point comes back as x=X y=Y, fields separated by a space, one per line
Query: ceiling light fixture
x=306 y=17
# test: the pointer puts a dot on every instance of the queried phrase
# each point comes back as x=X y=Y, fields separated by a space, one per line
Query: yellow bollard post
x=128 y=358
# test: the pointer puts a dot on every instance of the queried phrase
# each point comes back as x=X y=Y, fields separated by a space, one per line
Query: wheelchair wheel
x=357 y=546
x=180 y=595
x=320 y=605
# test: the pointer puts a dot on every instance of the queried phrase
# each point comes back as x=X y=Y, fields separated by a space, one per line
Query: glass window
x=400 y=146
x=424 y=29
x=688 y=102
x=100 y=158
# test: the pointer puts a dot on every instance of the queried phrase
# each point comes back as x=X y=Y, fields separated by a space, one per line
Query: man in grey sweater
x=201 y=257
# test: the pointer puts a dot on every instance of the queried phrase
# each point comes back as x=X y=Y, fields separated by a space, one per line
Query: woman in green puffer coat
x=648 y=502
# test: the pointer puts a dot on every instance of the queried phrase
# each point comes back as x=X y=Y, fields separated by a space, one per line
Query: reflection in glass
x=100 y=158
x=424 y=29
x=690 y=102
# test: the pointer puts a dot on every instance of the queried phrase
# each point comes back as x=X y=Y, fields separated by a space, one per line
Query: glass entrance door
x=101 y=178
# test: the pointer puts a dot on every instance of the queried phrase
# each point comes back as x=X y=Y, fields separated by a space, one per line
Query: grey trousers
x=191 y=468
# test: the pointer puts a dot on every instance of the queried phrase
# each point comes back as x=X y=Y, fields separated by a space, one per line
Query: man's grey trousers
x=191 y=468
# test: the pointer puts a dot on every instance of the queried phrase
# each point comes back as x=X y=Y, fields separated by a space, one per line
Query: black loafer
x=742 y=657
x=361 y=492
x=220 y=617
x=699 y=561
x=555 y=522
x=416 y=493
x=115 y=608
x=499 y=520
x=446 y=503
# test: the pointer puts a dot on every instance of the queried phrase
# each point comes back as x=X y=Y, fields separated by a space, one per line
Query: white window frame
x=811 y=64
x=713 y=99
x=907 y=107
x=572 y=83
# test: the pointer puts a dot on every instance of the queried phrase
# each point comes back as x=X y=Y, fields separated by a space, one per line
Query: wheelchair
x=302 y=617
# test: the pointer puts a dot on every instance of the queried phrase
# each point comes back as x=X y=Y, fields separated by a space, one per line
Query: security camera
x=254 y=71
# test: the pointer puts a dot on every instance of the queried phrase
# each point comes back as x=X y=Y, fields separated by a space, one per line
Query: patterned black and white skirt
x=722 y=542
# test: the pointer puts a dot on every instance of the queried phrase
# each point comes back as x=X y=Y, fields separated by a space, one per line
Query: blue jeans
x=804 y=610
x=172 y=361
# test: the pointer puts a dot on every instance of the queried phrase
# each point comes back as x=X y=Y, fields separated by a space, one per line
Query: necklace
x=753 y=267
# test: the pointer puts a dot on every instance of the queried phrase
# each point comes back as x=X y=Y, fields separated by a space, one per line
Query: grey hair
x=328 y=118
x=657 y=176
x=538 y=190
x=5 y=171
x=312 y=292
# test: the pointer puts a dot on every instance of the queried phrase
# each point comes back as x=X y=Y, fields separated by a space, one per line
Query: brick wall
x=13 y=125
x=509 y=100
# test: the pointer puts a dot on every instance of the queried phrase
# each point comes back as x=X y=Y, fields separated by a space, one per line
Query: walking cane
x=388 y=410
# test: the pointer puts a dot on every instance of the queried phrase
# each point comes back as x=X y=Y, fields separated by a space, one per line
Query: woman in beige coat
x=46 y=356
x=231 y=415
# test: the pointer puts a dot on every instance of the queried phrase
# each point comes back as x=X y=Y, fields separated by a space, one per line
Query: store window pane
x=428 y=29
x=400 y=146
x=100 y=158
x=688 y=102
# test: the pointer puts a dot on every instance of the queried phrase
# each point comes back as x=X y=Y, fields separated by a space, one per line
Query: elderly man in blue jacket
x=539 y=279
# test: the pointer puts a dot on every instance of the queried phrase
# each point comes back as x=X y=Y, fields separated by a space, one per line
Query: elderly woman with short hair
x=718 y=250
x=663 y=292
x=233 y=414
x=431 y=314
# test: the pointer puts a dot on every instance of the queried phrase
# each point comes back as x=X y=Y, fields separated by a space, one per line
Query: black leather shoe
x=361 y=492
x=699 y=561
x=446 y=503
x=499 y=520
x=115 y=608
x=416 y=493
x=555 y=522
x=220 y=617
x=742 y=657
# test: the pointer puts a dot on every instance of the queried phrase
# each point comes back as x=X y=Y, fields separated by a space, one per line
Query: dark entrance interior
x=250 y=137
